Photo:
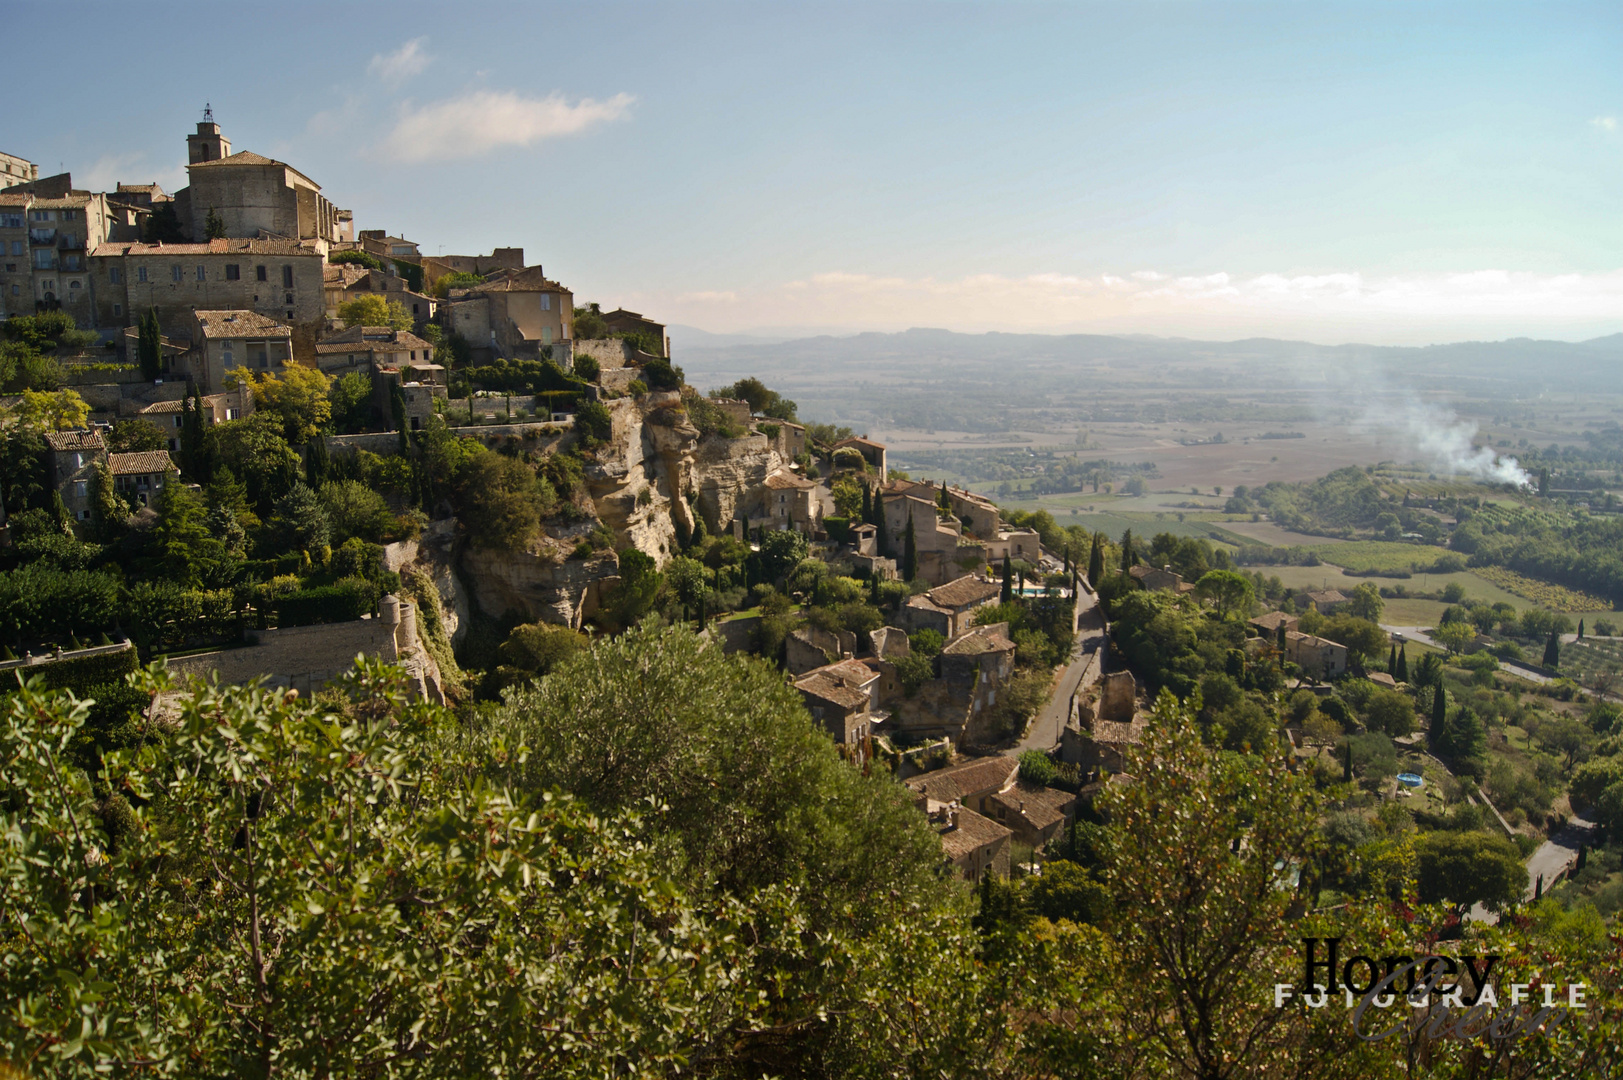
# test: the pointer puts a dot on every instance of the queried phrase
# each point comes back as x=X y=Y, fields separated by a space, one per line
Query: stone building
x=1318 y=657
x=141 y=475
x=71 y=458
x=844 y=699
x=872 y=452
x=516 y=314
x=343 y=282
x=44 y=252
x=972 y=844
x=280 y=279
x=949 y=609
x=378 y=242
x=437 y=266
x=969 y=784
x=16 y=170
x=944 y=550
x=791 y=502
x=253 y=195
x=1035 y=815
x=377 y=347
x=225 y=340
x=621 y=321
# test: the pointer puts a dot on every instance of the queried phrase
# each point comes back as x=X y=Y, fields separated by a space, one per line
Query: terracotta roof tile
x=75 y=440
x=964 y=592
x=140 y=463
x=239 y=323
x=973 y=833
x=953 y=783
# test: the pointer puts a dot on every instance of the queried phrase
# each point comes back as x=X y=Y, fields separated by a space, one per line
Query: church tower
x=208 y=144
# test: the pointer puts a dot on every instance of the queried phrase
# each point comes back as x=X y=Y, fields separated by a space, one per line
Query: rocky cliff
x=636 y=483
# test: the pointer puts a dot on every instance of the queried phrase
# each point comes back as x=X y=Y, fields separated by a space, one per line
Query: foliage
x=1466 y=868
x=660 y=374
x=372 y=309
x=351 y=402
x=501 y=501
x=343 y=601
x=300 y=521
x=355 y=257
x=355 y=510
x=129 y=436
x=1228 y=592
x=300 y=397
x=762 y=401
x=593 y=422
x=55 y=410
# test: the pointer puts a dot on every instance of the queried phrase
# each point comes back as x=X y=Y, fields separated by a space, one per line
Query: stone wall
x=306 y=658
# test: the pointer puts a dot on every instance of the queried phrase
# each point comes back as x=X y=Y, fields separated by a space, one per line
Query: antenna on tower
x=208 y=113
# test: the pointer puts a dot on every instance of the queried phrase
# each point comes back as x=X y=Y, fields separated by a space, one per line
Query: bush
x=593 y=422
x=343 y=601
x=1037 y=768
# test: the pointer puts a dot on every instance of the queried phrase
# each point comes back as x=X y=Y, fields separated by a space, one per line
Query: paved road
x=1558 y=852
x=1043 y=734
x=1418 y=633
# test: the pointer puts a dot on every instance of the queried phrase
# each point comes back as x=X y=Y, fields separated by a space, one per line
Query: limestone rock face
x=537 y=585
x=636 y=485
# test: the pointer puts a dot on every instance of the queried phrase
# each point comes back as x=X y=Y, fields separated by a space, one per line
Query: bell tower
x=208 y=144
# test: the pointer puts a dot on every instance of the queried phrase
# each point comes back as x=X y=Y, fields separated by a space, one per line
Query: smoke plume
x=1443 y=441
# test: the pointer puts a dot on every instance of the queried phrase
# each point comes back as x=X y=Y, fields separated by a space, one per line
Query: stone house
x=1329 y=601
x=1268 y=624
x=140 y=475
x=844 y=698
x=621 y=321
x=280 y=279
x=969 y=784
x=169 y=415
x=420 y=385
x=1035 y=815
x=437 y=266
x=943 y=551
x=1104 y=734
x=518 y=314
x=791 y=502
x=225 y=340
x=16 y=170
x=45 y=240
x=949 y=609
x=971 y=843
x=71 y=458
x=346 y=281
x=1157 y=580
x=378 y=242
x=1316 y=656
x=788 y=437
x=375 y=348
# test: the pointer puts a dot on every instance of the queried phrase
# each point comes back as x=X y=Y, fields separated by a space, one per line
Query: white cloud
x=402 y=64
x=108 y=170
x=481 y=121
x=1605 y=123
x=1347 y=306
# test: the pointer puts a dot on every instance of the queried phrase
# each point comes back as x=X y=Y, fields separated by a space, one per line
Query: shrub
x=1037 y=768
x=343 y=601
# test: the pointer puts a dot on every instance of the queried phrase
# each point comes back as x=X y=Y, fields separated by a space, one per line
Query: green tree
x=1226 y=591
x=689 y=579
x=500 y=500
x=372 y=309
x=129 y=436
x=1096 y=560
x=149 y=346
x=1391 y=712
x=593 y=422
x=1366 y=603
x=255 y=451
x=1401 y=673
x=634 y=596
x=540 y=648
x=214 y=226
x=1552 y=652
x=300 y=522
x=1466 y=868
x=1127 y=558
x=355 y=510
x=1454 y=636
x=1200 y=930
x=351 y=397
x=1006 y=595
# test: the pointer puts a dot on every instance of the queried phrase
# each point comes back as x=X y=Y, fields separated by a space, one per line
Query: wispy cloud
x=131 y=168
x=1605 y=123
x=1332 y=306
x=484 y=120
x=396 y=67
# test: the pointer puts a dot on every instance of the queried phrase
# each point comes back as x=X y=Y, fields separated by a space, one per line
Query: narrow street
x=1079 y=673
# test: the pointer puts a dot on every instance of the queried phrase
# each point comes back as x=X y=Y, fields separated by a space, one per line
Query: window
x=289 y=299
x=140 y=273
x=11 y=268
x=44 y=259
x=72 y=285
x=68 y=215
x=202 y=273
x=546 y=335
x=42 y=215
x=11 y=221
x=176 y=273
x=259 y=272
x=84 y=515
x=287 y=277
x=113 y=275
x=81 y=488
x=118 y=309
x=71 y=262
x=233 y=272
x=546 y=301
x=16 y=247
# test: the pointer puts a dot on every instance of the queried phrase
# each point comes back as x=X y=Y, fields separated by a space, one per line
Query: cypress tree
x=1346 y=768
x=1439 y=709
x=1279 y=638
x=867 y=504
x=1402 y=674
x=397 y=407
x=1096 y=560
x=1008 y=582
x=1392 y=662
x=1580 y=629
x=1552 y=652
x=1127 y=551
x=192 y=451
x=698 y=528
x=149 y=346
x=873 y=589
x=317 y=462
x=910 y=552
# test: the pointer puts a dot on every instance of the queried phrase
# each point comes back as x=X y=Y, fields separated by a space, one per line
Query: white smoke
x=1443 y=441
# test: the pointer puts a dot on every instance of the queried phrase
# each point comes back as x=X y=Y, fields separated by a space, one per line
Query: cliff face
x=653 y=456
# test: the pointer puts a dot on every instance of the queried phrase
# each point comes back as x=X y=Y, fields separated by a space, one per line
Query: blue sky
x=1372 y=171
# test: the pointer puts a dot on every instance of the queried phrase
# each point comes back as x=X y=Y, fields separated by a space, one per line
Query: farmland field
x=1331 y=577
